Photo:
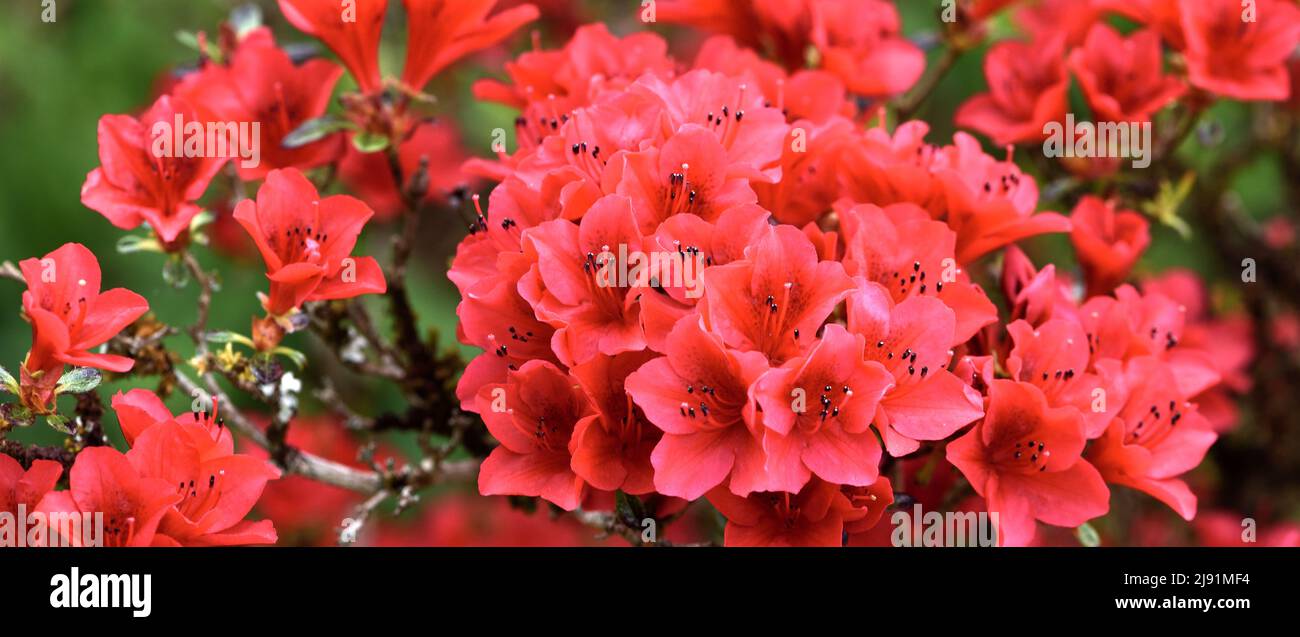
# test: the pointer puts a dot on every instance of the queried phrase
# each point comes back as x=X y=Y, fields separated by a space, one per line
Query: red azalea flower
x=1054 y=357
x=217 y=488
x=817 y=412
x=912 y=341
x=911 y=255
x=990 y=203
x=813 y=517
x=351 y=30
x=698 y=395
x=884 y=169
x=306 y=242
x=1108 y=241
x=1158 y=436
x=1165 y=16
x=533 y=414
x=26 y=487
x=869 y=504
x=137 y=182
x=573 y=282
x=612 y=447
x=514 y=206
x=1023 y=458
x=1120 y=76
x=261 y=84
x=70 y=316
x=1068 y=19
x=102 y=480
x=860 y=42
x=1034 y=295
x=775 y=300
x=1027 y=89
x=440 y=32
x=1240 y=59
x=371 y=178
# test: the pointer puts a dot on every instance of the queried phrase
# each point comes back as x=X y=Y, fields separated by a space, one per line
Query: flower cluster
x=712 y=280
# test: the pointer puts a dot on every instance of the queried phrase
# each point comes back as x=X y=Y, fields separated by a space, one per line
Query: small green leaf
x=132 y=243
x=298 y=358
x=79 y=381
x=315 y=129
x=228 y=337
x=59 y=424
x=369 y=142
x=7 y=382
x=191 y=40
x=1087 y=535
x=629 y=508
x=17 y=415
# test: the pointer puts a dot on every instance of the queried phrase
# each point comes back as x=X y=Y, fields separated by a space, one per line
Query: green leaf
x=299 y=359
x=1087 y=535
x=132 y=243
x=191 y=40
x=629 y=508
x=7 y=382
x=228 y=337
x=79 y=381
x=314 y=129
x=369 y=142
x=59 y=424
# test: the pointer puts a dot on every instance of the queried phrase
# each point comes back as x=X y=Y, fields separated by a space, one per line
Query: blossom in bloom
x=912 y=340
x=611 y=448
x=1054 y=357
x=1024 y=460
x=26 y=487
x=307 y=241
x=698 y=395
x=145 y=176
x=103 y=481
x=1121 y=77
x=1236 y=58
x=817 y=413
x=71 y=316
x=353 y=34
x=440 y=32
x=774 y=300
x=1158 y=436
x=1067 y=19
x=1107 y=241
x=261 y=84
x=195 y=452
x=533 y=414
x=1027 y=84
x=814 y=516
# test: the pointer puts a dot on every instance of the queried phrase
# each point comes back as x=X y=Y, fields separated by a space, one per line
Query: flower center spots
x=1029 y=456
x=1157 y=422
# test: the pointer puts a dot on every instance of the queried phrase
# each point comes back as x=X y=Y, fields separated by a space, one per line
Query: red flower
x=817 y=413
x=440 y=32
x=1023 y=458
x=26 y=488
x=912 y=341
x=102 y=480
x=813 y=517
x=698 y=395
x=1027 y=89
x=306 y=242
x=1236 y=58
x=1158 y=436
x=775 y=300
x=261 y=84
x=351 y=30
x=1108 y=242
x=369 y=176
x=70 y=316
x=1069 y=19
x=612 y=447
x=573 y=282
x=1054 y=357
x=911 y=255
x=860 y=42
x=217 y=487
x=137 y=182
x=1121 y=76
x=533 y=414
